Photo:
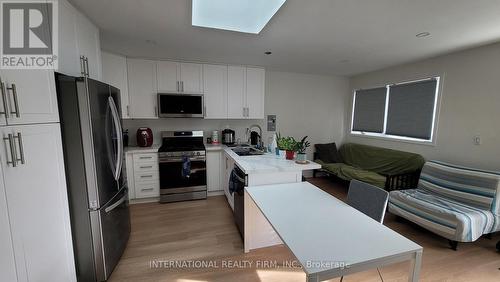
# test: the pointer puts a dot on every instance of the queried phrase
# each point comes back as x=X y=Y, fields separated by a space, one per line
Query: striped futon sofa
x=458 y=203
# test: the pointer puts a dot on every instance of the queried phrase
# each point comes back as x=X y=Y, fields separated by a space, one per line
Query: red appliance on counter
x=144 y=137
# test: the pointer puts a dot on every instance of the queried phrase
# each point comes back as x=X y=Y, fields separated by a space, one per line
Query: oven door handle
x=179 y=160
x=196 y=170
x=242 y=180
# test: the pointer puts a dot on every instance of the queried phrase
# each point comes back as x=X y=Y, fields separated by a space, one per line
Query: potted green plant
x=280 y=141
x=289 y=145
x=300 y=148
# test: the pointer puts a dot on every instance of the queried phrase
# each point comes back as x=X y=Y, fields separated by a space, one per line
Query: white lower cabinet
x=7 y=261
x=34 y=196
x=143 y=176
x=214 y=183
x=227 y=168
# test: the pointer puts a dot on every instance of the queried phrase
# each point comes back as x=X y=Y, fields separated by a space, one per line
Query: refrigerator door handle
x=116 y=204
x=119 y=138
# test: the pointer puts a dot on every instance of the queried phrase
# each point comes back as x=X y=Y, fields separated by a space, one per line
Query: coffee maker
x=228 y=137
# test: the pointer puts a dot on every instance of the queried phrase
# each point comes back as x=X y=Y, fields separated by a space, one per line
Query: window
x=402 y=111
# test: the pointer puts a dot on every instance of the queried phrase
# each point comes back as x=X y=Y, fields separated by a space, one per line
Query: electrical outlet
x=477 y=140
x=271 y=123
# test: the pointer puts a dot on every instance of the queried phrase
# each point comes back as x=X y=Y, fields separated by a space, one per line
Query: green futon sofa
x=385 y=168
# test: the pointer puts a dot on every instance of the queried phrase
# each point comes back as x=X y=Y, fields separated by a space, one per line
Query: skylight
x=249 y=16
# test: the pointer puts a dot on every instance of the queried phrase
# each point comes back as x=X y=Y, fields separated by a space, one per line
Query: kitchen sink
x=247 y=151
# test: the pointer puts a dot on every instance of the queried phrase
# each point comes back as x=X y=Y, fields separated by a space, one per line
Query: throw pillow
x=328 y=153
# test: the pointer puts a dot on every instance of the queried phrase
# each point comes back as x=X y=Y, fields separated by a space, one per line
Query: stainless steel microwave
x=180 y=105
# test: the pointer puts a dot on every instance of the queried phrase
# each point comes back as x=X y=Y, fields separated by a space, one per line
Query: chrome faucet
x=260 y=144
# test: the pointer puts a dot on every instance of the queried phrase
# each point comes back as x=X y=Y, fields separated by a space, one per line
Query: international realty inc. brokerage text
x=223 y=264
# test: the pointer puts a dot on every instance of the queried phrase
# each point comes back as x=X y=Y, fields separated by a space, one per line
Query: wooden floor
x=205 y=231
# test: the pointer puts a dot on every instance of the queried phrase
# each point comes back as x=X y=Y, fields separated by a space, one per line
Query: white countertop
x=133 y=149
x=268 y=163
x=318 y=227
x=215 y=147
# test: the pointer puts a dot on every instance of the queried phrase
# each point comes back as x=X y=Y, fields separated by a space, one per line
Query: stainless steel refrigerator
x=93 y=152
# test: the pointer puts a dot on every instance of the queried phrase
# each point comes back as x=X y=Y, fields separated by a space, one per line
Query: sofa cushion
x=328 y=153
x=380 y=160
x=447 y=218
x=472 y=187
x=348 y=173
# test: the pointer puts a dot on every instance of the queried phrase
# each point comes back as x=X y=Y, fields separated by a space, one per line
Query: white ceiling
x=343 y=37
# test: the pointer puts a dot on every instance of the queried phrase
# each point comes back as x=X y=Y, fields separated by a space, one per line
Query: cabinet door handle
x=128 y=110
x=182 y=86
x=146 y=189
x=82 y=65
x=21 y=147
x=147 y=176
x=177 y=85
x=4 y=100
x=87 y=72
x=146 y=166
x=13 y=154
x=16 y=102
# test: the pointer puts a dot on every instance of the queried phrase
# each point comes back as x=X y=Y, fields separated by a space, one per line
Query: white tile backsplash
x=177 y=124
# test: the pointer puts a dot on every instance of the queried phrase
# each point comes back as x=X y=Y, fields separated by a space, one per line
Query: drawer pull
x=146 y=176
x=146 y=189
x=145 y=158
x=146 y=166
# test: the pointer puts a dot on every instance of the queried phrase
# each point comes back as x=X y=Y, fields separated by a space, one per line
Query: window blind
x=411 y=109
x=369 y=110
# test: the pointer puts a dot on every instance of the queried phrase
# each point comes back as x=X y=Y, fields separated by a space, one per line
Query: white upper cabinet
x=28 y=96
x=87 y=37
x=191 y=78
x=78 y=36
x=246 y=92
x=230 y=92
x=255 y=89
x=114 y=72
x=142 y=88
x=168 y=76
x=69 y=62
x=35 y=190
x=215 y=91
x=180 y=77
x=236 y=78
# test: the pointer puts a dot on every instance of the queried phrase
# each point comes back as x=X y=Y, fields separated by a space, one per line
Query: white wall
x=304 y=104
x=470 y=105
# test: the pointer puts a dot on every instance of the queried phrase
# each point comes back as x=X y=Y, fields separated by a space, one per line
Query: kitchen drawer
x=146 y=176
x=147 y=189
x=145 y=167
x=145 y=158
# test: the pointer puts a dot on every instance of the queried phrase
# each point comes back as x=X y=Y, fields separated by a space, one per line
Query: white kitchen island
x=328 y=237
x=261 y=170
x=269 y=168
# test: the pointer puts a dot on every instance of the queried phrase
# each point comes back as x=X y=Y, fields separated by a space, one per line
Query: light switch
x=477 y=140
x=271 y=123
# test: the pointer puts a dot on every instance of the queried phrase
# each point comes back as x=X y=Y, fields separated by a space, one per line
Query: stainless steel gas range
x=183 y=168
